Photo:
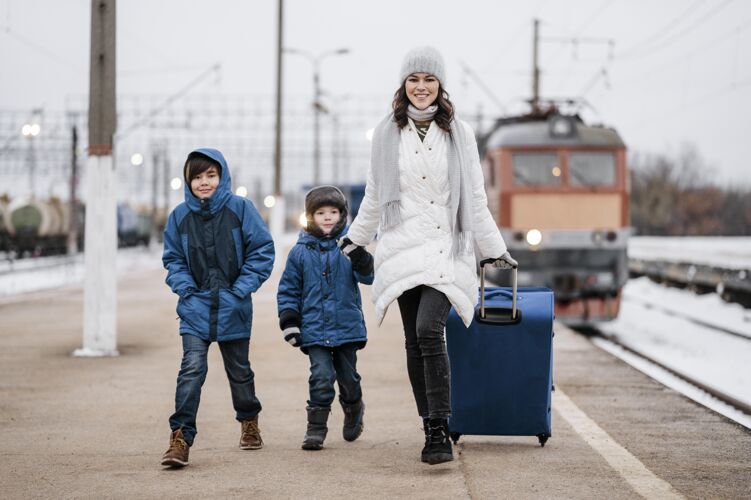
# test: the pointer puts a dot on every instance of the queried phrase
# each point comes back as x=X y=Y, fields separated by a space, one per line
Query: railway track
x=678 y=379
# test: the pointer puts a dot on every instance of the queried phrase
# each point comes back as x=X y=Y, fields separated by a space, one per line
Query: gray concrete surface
x=96 y=428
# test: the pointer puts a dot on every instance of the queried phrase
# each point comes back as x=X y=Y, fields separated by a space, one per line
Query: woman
x=425 y=197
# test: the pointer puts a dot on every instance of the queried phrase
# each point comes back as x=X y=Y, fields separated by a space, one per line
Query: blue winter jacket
x=217 y=252
x=319 y=284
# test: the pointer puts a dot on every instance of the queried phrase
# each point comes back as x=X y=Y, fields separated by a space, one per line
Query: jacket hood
x=223 y=191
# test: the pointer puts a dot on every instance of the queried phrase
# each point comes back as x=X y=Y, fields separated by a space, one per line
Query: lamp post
x=317 y=105
x=30 y=131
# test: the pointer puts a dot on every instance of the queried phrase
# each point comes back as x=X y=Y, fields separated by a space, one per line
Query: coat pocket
x=194 y=309
x=234 y=313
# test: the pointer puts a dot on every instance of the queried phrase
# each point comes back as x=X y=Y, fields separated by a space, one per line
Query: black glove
x=289 y=322
x=362 y=261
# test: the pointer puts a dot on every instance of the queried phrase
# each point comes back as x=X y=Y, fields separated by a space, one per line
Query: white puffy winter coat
x=418 y=250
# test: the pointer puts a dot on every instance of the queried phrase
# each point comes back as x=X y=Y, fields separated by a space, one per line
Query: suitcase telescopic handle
x=482 y=289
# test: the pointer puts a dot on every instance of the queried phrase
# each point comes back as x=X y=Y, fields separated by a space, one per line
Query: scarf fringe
x=463 y=244
x=391 y=214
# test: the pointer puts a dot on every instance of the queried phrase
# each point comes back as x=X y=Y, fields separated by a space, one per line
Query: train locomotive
x=558 y=189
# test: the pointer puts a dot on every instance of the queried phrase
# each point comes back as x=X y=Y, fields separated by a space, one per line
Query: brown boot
x=177 y=454
x=250 y=439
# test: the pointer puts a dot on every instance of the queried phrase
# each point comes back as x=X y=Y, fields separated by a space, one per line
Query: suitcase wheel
x=543 y=439
x=455 y=437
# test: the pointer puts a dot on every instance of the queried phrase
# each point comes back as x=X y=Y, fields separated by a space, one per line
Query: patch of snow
x=714 y=357
x=677 y=384
x=726 y=252
x=31 y=275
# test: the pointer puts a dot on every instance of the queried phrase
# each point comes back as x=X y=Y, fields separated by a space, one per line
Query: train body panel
x=558 y=189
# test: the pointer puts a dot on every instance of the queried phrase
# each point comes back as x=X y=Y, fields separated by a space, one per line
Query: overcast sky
x=678 y=71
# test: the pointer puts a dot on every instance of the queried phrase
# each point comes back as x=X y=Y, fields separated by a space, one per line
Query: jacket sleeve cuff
x=289 y=318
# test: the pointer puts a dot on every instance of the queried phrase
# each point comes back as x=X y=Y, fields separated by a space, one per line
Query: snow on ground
x=727 y=252
x=716 y=358
x=32 y=275
x=42 y=273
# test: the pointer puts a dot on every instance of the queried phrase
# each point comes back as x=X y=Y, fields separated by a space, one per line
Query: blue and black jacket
x=320 y=286
x=217 y=252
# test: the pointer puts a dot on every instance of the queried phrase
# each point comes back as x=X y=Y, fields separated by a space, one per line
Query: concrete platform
x=72 y=427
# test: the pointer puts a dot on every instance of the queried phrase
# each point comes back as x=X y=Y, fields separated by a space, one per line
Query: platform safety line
x=642 y=480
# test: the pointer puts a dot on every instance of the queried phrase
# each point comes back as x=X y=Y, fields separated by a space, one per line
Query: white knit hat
x=423 y=60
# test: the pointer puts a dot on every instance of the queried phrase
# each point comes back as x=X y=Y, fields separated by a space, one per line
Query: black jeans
x=424 y=312
x=193 y=373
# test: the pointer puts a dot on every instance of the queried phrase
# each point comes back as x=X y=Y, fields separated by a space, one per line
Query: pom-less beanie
x=423 y=60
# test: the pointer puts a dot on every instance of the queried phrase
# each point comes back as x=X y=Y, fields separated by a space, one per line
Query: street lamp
x=317 y=105
x=30 y=131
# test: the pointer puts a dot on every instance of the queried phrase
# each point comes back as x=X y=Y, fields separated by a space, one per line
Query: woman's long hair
x=443 y=117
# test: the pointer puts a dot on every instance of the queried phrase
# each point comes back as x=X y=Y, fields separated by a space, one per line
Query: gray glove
x=505 y=261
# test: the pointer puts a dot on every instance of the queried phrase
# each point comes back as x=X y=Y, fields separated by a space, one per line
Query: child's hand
x=289 y=322
x=346 y=246
x=362 y=261
x=292 y=335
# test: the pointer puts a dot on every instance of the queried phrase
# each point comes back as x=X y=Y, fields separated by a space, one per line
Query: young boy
x=217 y=252
x=320 y=311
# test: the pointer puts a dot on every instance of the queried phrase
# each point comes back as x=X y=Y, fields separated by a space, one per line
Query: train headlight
x=534 y=237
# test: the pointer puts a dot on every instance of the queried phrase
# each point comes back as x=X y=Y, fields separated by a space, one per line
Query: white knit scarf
x=384 y=162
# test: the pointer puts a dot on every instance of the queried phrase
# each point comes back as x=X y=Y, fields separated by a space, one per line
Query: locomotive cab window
x=536 y=169
x=592 y=168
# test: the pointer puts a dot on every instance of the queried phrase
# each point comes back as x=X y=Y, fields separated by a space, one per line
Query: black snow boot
x=439 y=445
x=426 y=428
x=316 y=433
x=353 y=420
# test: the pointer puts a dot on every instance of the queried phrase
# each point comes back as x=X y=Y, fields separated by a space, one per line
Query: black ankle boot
x=316 y=433
x=439 y=443
x=426 y=428
x=353 y=420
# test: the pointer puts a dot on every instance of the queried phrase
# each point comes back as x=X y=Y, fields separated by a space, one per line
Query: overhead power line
x=671 y=40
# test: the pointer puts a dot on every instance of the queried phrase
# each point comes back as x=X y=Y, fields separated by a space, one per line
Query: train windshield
x=536 y=169
x=592 y=168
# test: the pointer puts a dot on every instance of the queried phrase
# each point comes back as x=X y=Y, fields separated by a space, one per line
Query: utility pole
x=165 y=177
x=154 y=191
x=535 y=68
x=335 y=149
x=277 y=215
x=73 y=225
x=317 y=108
x=100 y=282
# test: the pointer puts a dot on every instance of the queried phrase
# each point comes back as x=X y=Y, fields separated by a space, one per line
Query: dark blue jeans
x=329 y=365
x=424 y=312
x=193 y=373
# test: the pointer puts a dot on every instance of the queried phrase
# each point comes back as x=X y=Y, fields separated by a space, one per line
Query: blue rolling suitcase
x=502 y=365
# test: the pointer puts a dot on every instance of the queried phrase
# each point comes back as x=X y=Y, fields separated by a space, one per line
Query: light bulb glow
x=534 y=237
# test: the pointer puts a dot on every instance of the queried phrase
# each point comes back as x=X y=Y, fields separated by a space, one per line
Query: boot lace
x=177 y=443
x=437 y=435
x=250 y=429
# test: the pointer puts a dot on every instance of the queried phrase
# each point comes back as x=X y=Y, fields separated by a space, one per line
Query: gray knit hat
x=423 y=60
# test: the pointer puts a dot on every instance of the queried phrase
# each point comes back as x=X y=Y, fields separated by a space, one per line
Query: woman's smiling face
x=421 y=89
